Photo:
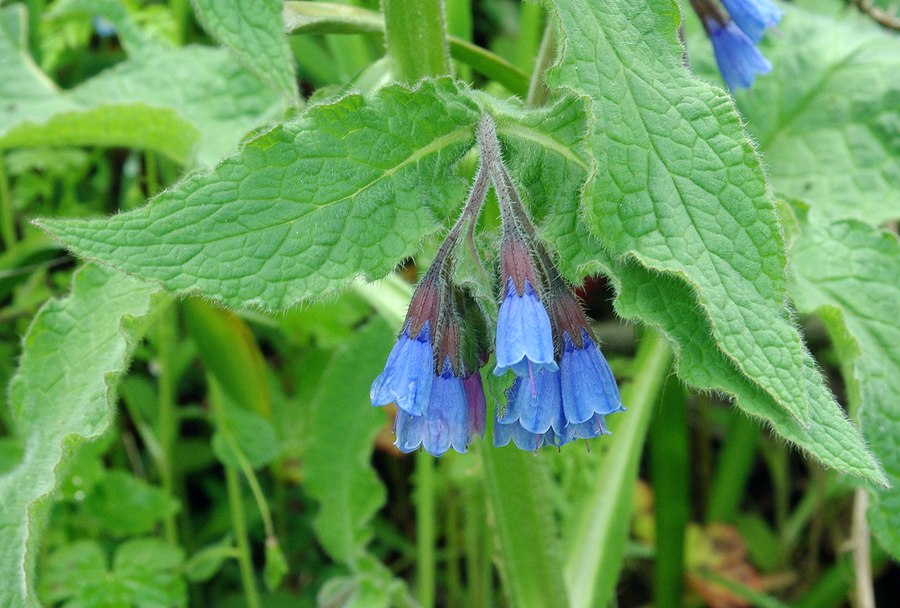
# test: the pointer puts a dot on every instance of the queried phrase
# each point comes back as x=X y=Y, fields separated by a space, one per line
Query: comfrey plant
x=735 y=34
x=563 y=385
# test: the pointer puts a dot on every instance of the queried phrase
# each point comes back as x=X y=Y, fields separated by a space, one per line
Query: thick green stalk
x=519 y=493
x=415 y=37
x=670 y=463
x=426 y=533
x=595 y=558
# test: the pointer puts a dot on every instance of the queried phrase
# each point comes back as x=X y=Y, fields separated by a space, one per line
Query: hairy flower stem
x=469 y=215
x=511 y=208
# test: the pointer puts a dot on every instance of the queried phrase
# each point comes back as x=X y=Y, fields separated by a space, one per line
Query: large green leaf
x=827 y=117
x=678 y=186
x=343 y=425
x=194 y=104
x=665 y=303
x=847 y=273
x=62 y=395
x=343 y=190
x=254 y=31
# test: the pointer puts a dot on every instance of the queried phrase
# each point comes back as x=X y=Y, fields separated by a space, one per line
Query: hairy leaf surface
x=846 y=273
x=343 y=190
x=193 y=104
x=62 y=395
x=678 y=186
x=254 y=31
x=343 y=425
x=828 y=117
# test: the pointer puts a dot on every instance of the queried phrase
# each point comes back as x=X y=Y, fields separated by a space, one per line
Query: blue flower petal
x=536 y=403
x=524 y=440
x=524 y=336
x=753 y=16
x=588 y=386
x=593 y=427
x=738 y=58
x=408 y=374
x=443 y=424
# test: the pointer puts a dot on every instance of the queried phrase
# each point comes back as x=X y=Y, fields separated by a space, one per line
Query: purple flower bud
x=753 y=16
x=588 y=385
x=524 y=336
x=408 y=374
x=737 y=56
x=443 y=425
x=476 y=407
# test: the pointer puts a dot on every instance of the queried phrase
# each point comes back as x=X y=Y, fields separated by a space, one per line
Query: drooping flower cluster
x=735 y=34
x=563 y=386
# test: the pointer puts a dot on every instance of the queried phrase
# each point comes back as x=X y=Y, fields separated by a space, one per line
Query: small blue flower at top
x=588 y=385
x=524 y=336
x=737 y=56
x=753 y=16
x=443 y=424
x=408 y=374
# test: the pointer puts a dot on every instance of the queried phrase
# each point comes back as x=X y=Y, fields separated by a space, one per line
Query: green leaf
x=846 y=273
x=61 y=395
x=341 y=191
x=678 y=186
x=828 y=115
x=205 y=563
x=194 y=104
x=111 y=125
x=254 y=31
x=74 y=570
x=330 y=18
x=230 y=352
x=147 y=569
x=666 y=304
x=124 y=505
x=250 y=433
x=144 y=575
x=276 y=567
x=343 y=425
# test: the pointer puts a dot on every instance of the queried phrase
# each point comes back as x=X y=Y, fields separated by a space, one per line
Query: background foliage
x=187 y=420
